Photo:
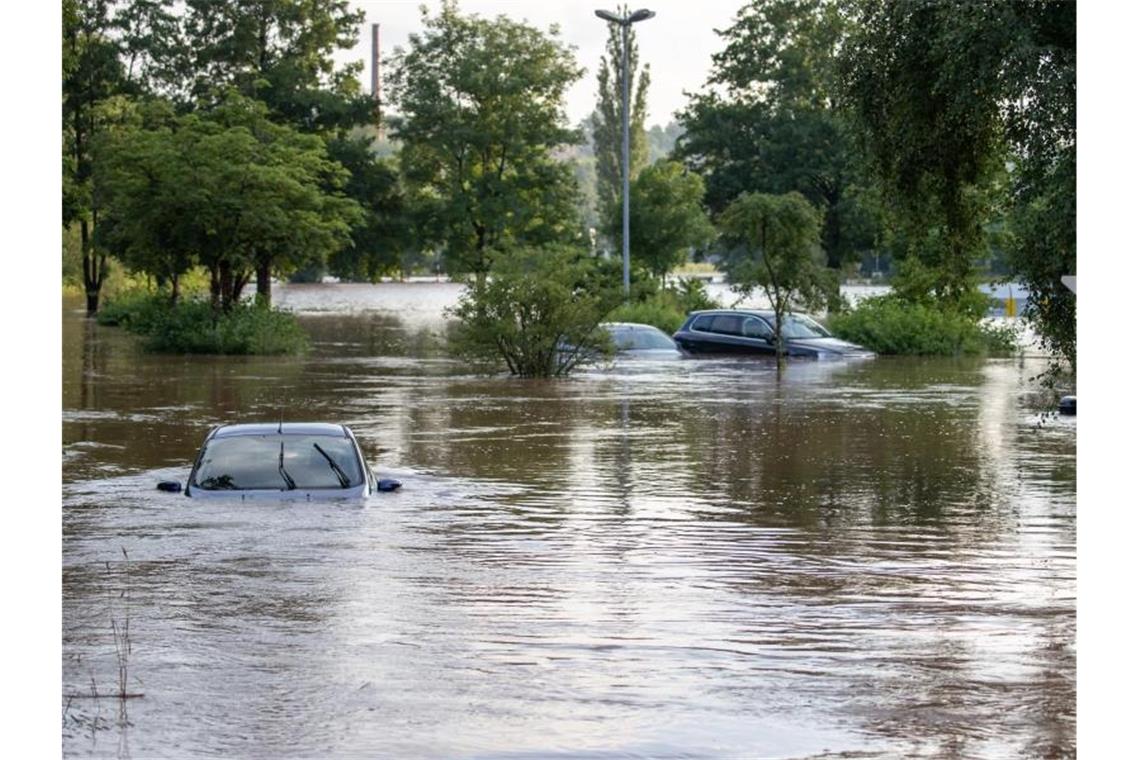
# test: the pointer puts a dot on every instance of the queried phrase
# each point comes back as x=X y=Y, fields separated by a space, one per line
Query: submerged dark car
x=752 y=331
x=307 y=460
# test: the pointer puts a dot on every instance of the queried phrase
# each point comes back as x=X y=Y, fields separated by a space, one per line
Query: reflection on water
x=686 y=558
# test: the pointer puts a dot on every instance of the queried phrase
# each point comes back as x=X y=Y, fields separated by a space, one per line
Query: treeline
x=222 y=136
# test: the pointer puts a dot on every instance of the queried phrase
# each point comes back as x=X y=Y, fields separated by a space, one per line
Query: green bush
x=193 y=326
x=136 y=310
x=666 y=309
x=665 y=316
x=890 y=325
x=538 y=312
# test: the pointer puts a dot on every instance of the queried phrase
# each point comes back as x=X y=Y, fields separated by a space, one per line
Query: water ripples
x=661 y=559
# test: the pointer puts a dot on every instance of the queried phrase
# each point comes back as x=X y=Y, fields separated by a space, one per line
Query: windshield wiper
x=335 y=467
x=289 y=484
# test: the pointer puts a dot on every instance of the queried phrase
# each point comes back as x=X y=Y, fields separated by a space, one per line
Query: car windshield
x=626 y=338
x=277 y=462
x=797 y=326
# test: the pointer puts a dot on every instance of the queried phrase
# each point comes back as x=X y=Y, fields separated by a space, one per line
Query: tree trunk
x=238 y=282
x=215 y=287
x=779 y=307
x=225 y=278
x=175 y=291
x=832 y=232
x=91 y=281
x=263 y=288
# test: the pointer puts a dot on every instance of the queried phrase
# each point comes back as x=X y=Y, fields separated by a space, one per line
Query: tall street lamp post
x=625 y=22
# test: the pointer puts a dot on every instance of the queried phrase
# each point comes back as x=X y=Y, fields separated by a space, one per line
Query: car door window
x=755 y=327
x=726 y=324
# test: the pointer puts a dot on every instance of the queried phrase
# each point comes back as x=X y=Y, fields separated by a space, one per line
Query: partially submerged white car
x=294 y=460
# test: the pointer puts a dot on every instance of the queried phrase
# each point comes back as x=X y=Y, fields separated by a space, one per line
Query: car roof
x=628 y=326
x=752 y=312
x=284 y=428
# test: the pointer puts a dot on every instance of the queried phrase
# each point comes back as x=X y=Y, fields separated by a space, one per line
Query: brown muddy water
x=684 y=558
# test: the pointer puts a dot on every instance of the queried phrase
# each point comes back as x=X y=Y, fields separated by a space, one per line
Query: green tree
x=606 y=123
x=481 y=104
x=947 y=96
x=277 y=51
x=666 y=218
x=769 y=120
x=934 y=141
x=381 y=242
x=92 y=73
x=538 y=312
x=148 y=191
x=151 y=44
x=229 y=190
x=772 y=243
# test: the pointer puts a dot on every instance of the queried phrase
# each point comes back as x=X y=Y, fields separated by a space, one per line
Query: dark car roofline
x=753 y=312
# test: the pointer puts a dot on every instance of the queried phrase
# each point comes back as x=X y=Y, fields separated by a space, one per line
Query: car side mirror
x=386 y=484
x=169 y=486
x=770 y=339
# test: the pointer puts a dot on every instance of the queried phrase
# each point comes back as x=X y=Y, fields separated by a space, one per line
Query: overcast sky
x=677 y=44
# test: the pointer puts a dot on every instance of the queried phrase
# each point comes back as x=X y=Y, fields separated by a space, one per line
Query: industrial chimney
x=376 y=62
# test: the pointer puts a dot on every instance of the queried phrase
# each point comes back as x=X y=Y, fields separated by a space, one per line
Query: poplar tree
x=606 y=124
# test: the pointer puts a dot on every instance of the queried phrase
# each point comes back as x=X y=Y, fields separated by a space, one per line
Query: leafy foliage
x=946 y=96
x=386 y=239
x=768 y=121
x=92 y=74
x=277 y=51
x=482 y=110
x=230 y=190
x=538 y=312
x=136 y=65
x=666 y=219
x=894 y=325
x=139 y=310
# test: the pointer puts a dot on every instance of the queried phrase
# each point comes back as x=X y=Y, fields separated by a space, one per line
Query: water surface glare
x=655 y=559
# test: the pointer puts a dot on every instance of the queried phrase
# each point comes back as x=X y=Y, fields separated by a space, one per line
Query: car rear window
x=702 y=323
x=641 y=338
x=262 y=462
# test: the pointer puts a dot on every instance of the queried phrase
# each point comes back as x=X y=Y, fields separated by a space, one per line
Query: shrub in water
x=890 y=325
x=193 y=327
x=136 y=310
x=538 y=312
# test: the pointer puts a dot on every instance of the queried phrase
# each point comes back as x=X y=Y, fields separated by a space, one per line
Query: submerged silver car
x=297 y=460
x=640 y=340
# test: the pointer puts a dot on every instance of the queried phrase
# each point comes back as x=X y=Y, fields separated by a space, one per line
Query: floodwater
x=684 y=558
